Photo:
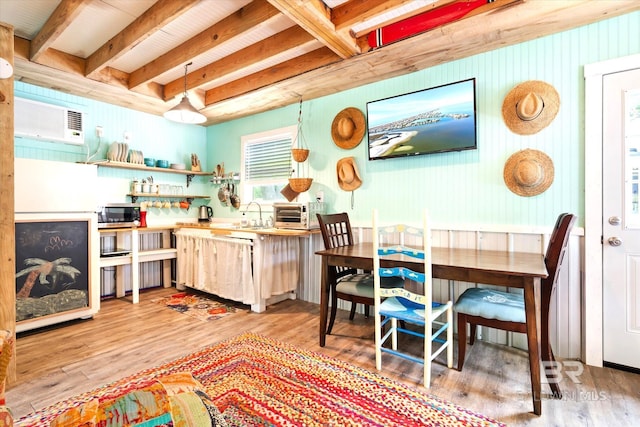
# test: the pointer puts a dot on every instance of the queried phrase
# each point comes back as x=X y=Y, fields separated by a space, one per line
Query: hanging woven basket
x=300 y=185
x=299 y=154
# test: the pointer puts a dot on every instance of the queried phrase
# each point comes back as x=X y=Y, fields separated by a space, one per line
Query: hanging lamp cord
x=185 y=78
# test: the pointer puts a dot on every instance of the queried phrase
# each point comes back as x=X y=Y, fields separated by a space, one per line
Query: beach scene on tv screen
x=432 y=120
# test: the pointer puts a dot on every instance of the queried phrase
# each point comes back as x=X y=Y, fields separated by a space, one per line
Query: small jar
x=153 y=188
x=136 y=187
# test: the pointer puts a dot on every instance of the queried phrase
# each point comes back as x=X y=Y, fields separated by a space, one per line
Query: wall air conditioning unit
x=47 y=122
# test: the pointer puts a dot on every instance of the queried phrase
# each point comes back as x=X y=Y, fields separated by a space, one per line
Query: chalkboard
x=52 y=267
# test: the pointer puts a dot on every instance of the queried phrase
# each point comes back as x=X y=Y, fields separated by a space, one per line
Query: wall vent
x=48 y=122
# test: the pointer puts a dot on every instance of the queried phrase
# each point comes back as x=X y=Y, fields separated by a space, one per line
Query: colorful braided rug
x=198 y=306
x=258 y=381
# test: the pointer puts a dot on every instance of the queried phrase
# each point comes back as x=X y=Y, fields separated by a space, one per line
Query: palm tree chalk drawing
x=52 y=263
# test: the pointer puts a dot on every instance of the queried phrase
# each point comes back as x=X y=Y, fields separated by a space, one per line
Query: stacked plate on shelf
x=119 y=152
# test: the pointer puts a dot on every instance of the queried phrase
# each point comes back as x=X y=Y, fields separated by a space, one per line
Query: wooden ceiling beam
x=58 y=21
x=291 y=39
x=53 y=60
x=355 y=12
x=252 y=16
x=285 y=70
x=152 y=20
x=315 y=17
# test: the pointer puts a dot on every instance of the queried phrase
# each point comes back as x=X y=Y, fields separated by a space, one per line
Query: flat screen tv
x=434 y=120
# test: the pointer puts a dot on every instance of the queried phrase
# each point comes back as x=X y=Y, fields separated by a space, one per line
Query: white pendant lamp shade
x=184 y=112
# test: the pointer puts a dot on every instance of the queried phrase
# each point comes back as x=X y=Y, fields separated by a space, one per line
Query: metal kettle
x=205 y=213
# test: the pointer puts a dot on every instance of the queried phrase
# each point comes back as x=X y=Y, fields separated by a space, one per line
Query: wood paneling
x=7 y=230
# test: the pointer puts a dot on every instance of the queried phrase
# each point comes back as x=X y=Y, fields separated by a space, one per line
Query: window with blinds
x=266 y=164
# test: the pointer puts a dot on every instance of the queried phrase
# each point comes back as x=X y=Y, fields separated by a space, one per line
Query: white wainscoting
x=565 y=314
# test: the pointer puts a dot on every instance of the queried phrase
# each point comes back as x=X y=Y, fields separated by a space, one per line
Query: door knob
x=615 y=220
x=614 y=241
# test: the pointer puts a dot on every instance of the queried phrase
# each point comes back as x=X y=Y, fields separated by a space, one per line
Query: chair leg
x=546 y=354
x=334 y=308
x=462 y=339
x=366 y=311
x=472 y=333
x=352 y=313
x=450 y=336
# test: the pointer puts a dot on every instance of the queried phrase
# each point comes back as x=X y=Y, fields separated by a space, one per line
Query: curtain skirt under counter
x=245 y=270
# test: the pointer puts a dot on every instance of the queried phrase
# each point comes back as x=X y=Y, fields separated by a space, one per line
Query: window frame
x=246 y=186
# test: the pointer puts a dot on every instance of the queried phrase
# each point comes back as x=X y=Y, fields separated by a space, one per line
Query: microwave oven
x=119 y=215
x=299 y=216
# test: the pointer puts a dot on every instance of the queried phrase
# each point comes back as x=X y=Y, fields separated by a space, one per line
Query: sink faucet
x=260 y=224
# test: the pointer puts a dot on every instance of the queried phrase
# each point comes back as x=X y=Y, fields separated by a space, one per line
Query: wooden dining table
x=503 y=268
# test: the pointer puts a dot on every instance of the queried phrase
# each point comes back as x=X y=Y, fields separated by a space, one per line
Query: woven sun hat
x=530 y=107
x=528 y=172
x=348 y=176
x=348 y=128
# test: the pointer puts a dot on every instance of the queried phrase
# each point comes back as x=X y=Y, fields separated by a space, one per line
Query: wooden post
x=7 y=211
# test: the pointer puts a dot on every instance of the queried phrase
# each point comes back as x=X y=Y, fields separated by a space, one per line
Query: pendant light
x=184 y=112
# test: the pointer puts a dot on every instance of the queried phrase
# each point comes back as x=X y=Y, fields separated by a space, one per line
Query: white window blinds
x=268 y=160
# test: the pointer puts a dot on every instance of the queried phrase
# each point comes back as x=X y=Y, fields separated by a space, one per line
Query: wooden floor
x=124 y=338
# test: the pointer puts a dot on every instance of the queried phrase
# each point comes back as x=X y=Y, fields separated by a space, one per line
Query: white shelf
x=158 y=255
x=139 y=167
x=112 y=261
x=130 y=235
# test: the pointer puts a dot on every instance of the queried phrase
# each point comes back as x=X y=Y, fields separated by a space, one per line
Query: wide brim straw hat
x=348 y=128
x=348 y=176
x=528 y=172
x=530 y=107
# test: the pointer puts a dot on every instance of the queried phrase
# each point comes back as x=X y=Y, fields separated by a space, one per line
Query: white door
x=621 y=218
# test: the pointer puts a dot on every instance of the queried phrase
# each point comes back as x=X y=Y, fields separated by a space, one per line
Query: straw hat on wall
x=530 y=107
x=528 y=172
x=348 y=176
x=348 y=128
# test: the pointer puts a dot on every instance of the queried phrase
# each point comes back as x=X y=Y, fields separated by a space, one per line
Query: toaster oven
x=119 y=215
x=299 y=216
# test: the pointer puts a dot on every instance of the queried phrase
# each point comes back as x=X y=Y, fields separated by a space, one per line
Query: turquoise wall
x=153 y=135
x=461 y=188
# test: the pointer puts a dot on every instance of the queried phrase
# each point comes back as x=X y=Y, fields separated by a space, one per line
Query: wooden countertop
x=152 y=228
x=264 y=231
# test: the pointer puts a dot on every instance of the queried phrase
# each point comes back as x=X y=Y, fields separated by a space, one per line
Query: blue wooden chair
x=410 y=303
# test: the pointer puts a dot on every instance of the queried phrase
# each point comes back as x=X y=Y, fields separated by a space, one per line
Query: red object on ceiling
x=423 y=22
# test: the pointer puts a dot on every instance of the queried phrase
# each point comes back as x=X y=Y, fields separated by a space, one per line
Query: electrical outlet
x=99 y=131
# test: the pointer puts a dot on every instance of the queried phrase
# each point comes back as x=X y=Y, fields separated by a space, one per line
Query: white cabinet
x=252 y=268
x=133 y=255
